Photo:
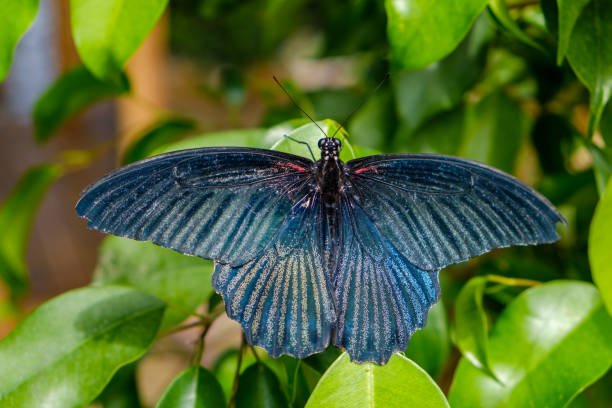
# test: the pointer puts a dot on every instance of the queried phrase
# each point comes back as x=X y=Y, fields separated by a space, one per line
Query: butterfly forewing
x=440 y=210
x=217 y=203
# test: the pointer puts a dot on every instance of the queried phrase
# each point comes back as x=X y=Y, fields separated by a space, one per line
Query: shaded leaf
x=400 y=383
x=568 y=12
x=602 y=162
x=321 y=361
x=246 y=138
x=421 y=31
x=493 y=132
x=600 y=243
x=15 y=18
x=499 y=8
x=159 y=134
x=606 y=125
x=547 y=346
x=301 y=380
x=67 y=350
x=590 y=55
x=16 y=216
x=441 y=134
x=421 y=94
x=471 y=326
x=225 y=369
x=259 y=387
x=182 y=281
x=195 y=387
x=431 y=346
x=107 y=32
x=73 y=91
x=122 y=390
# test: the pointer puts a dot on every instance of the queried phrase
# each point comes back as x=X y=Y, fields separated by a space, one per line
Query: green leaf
x=15 y=18
x=431 y=346
x=258 y=387
x=423 y=31
x=301 y=380
x=247 y=138
x=568 y=11
x=602 y=163
x=195 y=387
x=606 y=125
x=471 y=326
x=421 y=94
x=590 y=55
x=183 y=282
x=70 y=93
x=107 y=32
x=159 y=134
x=66 y=351
x=225 y=369
x=122 y=390
x=400 y=383
x=16 y=216
x=499 y=8
x=550 y=343
x=493 y=131
x=600 y=243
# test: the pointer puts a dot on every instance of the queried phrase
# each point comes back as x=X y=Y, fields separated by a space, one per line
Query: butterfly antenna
x=304 y=143
x=361 y=104
x=298 y=106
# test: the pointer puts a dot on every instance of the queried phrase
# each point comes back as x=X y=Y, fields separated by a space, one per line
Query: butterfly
x=309 y=253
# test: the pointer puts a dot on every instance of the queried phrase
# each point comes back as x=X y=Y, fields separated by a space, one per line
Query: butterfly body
x=312 y=253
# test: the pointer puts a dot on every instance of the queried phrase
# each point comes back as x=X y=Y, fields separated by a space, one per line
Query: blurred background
x=208 y=65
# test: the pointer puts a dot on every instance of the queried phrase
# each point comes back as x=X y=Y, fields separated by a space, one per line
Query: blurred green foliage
x=503 y=82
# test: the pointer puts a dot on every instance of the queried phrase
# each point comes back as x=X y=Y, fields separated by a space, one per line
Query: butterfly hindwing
x=440 y=210
x=282 y=298
x=382 y=298
x=217 y=203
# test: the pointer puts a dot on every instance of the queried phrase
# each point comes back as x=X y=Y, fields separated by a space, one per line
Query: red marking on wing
x=291 y=165
x=364 y=169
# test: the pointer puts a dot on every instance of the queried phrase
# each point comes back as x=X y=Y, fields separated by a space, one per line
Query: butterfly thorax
x=329 y=172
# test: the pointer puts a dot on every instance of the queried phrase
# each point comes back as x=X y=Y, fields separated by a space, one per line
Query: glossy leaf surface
x=421 y=31
x=16 y=216
x=547 y=345
x=195 y=387
x=398 y=384
x=259 y=387
x=65 y=352
x=590 y=55
x=107 y=32
x=182 y=281
x=569 y=11
x=600 y=243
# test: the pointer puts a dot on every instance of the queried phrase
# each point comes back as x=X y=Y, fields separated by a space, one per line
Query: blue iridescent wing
x=381 y=297
x=282 y=298
x=217 y=203
x=440 y=210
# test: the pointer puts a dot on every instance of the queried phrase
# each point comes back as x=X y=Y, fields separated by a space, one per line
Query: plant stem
x=512 y=281
x=237 y=373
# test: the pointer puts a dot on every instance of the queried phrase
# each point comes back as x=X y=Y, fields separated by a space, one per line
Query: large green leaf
x=568 y=11
x=182 y=281
x=195 y=387
x=423 y=31
x=423 y=93
x=590 y=55
x=70 y=93
x=107 y=32
x=600 y=245
x=15 y=18
x=64 y=353
x=400 y=383
x=549 y=344
x=259 y=387
x=431 y=346
x=493 y=131
x=471 y=326
x=161 y=133
x=16 y=215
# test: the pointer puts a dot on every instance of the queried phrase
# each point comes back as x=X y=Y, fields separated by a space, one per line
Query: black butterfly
x=309 y=253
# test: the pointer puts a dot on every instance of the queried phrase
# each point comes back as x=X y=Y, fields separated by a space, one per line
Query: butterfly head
x=330 y=147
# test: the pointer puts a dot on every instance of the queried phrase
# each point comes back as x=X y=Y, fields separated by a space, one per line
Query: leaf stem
x=512 y=281
x=232 y=400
